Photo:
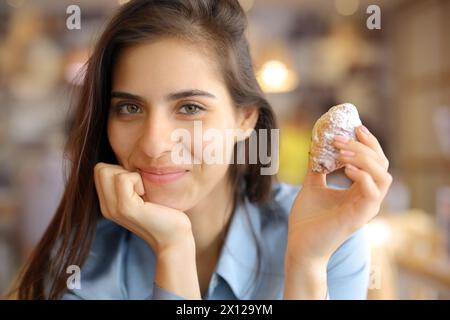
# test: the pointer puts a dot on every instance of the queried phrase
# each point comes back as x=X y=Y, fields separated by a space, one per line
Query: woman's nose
x=155 y=137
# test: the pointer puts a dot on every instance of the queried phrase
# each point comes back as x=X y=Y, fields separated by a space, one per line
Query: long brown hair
x=219 y=26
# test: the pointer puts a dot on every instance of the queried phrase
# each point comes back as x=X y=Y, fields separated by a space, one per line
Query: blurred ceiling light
x=121 y=2
x=246 y=4
x=274 y=77
x=379 y=232
x=346 y=7
x=15 y=3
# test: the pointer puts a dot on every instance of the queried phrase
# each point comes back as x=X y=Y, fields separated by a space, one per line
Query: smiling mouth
x=162 y=176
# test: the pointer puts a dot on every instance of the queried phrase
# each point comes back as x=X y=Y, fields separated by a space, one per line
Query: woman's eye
x=129 y=109
x=190 y=109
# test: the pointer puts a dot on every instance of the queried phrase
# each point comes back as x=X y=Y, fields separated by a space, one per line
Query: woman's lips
x=163 y=176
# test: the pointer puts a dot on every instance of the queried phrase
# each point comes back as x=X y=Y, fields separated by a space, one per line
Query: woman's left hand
x=322 y=218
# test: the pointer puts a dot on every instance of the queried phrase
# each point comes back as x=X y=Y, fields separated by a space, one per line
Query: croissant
x=339 y=120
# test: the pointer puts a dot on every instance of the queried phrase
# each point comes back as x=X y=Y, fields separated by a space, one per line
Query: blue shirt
x=121 y=265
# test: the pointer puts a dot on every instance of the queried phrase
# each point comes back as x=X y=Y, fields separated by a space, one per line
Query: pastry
x=339 y=120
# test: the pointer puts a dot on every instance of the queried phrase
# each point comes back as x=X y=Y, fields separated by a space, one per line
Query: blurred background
x=391 y=60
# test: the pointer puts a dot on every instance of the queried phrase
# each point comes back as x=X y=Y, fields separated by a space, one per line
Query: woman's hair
x=218 y=26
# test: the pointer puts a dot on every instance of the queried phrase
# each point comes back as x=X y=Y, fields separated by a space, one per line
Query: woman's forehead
x=166 y=64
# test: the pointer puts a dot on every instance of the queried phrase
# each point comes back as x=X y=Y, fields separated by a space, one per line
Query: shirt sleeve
x=162 y=294
x=349 y=267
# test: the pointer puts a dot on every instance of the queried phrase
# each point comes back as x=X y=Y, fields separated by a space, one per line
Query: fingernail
x=347 y=153
x=341 y=139
x=351 y=167
x=365 y=130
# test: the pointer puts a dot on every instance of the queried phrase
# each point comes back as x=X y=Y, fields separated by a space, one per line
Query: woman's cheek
x=120 y=143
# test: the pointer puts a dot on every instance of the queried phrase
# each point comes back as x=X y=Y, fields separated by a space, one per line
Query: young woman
x=143 y=227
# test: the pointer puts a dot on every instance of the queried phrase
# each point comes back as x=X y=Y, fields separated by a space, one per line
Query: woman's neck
x=210 y=219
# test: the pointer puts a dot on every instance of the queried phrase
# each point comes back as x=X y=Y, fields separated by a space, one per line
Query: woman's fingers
x=368 y=139
x=367 y=144
x=343 y=143
x=105 y=181
x=363 y=181
x=105 y=187
x=128 y=189
x=369 y=165
x=367 y=156
x=98 y=187
x=106 y=178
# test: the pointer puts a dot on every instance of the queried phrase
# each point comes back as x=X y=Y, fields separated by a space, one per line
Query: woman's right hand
x=120 y=194
x=166 y=230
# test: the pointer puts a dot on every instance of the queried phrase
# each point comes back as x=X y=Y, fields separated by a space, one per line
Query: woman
x=142 y=226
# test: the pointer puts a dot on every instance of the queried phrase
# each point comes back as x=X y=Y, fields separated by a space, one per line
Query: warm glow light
x=346 y=7
x=121 y=2
x=379 y=233
x=274 y=73
x=274 y=76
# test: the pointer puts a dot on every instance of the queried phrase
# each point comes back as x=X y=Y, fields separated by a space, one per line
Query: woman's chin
x=174 y=202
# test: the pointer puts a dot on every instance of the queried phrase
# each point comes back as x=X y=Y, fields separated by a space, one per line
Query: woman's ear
x=247 y=118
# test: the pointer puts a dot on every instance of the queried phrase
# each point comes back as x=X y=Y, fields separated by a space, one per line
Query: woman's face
x=160 y=87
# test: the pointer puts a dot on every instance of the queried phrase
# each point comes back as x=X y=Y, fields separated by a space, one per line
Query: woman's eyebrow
x=125 y=95
x=171 y=96
x=189 y=93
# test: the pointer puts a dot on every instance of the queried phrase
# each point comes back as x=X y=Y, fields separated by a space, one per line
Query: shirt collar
x=238 y=260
